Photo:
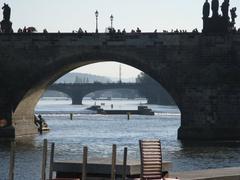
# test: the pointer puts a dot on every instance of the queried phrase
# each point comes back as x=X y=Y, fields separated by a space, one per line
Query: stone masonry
x=201 y=73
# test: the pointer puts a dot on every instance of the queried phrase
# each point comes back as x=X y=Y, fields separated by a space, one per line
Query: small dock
x=100 y=168
x=232 y=173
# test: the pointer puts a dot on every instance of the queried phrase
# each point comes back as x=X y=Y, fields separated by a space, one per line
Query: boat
x=41 y=123
x=142 y=110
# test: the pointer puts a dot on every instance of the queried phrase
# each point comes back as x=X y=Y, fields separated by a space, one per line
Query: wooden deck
x=99 y=168
x=210 y=174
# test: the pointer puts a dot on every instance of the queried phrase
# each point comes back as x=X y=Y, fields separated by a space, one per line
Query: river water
x=99 y=132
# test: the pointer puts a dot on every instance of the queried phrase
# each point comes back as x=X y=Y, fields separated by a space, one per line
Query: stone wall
x=201 y=73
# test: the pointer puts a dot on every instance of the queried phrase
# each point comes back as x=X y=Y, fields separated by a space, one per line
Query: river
x=99 y=132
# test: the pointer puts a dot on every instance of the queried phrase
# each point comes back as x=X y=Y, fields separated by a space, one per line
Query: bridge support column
x=7 y=132
x=6 y=128
x=210 y=115
x=77 y=100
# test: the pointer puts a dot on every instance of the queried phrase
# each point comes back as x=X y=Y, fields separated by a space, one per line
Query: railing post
x=51 y=161
x=140 y=147
x=124 y=163
x=113 y=172
x=44 y=159
x=12 y=161
x=84 y=163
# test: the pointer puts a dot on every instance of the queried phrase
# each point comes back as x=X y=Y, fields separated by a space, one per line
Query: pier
x=100 y=168
x=210 y=174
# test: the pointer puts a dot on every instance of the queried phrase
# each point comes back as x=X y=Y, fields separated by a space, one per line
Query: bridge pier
x=6 y=128
x=19 y=123
x=77 y=99
x=7 y=132
x=210 y=115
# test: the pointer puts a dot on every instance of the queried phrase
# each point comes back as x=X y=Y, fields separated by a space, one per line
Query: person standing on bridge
x=6 y=12
x=215 y=7
x=206 y=9
x=225 y=9
x=206 y=13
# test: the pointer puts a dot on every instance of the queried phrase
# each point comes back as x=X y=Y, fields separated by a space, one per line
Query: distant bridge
x=77 y=91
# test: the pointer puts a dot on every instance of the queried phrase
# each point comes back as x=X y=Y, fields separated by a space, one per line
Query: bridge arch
x=24 y=111
x=146 y=89
x=77 y=92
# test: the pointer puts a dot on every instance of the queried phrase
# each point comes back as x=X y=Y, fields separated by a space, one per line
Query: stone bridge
x=77 y=91
x=201 y=73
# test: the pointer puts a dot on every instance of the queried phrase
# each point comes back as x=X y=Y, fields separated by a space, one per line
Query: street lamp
x=96 y=14
x=111 y=18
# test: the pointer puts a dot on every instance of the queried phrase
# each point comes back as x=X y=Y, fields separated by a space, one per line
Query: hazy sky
x=148 y=15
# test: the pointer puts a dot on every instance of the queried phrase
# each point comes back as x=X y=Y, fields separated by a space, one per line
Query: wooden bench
x=151 y=160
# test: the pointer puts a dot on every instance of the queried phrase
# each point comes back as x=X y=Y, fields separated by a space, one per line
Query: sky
x=148 y=15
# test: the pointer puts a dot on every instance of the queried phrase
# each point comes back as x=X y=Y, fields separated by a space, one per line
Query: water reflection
x=99 y=132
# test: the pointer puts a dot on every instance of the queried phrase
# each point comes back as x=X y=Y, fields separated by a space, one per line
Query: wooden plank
x=152 y=170
x=152 y=173
x=124 y=163
x=152 y=167
x=12 y=161
x=51 y=161
x=44 y=160
x=153 y=153
x=152 y=156
x=141 y=158
x=151 y=147
x=152 y=176
x=152 y=163
x=151 y=150
x=84 y=165
x=150 y=143
x=151 y=160
x=113 y=171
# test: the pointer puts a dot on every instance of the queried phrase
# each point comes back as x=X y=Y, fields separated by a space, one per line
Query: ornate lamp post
x=111 y=18
x=96 y=14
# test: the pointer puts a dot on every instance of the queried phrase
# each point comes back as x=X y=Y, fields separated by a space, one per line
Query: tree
x=153 y=90
x=144 y=78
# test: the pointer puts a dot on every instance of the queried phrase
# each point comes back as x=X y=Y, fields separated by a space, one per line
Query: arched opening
x=25 y=109
x=98 y=131
x=129 y=131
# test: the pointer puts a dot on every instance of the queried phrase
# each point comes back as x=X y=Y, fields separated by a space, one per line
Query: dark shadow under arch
x=25 y=108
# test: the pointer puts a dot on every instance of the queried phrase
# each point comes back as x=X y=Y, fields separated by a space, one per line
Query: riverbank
x=210 y=174
x=232 y=173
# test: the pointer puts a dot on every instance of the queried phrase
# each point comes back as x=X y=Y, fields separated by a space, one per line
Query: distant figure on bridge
x=233 y=15
x=138 y=30
x=6 y=25
x=45 y=31
x=215 y=7
x=80 y=31
x=20 y=30
x=6 y=12
x=24 y=29
x=225 y=9
x=206 y=9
